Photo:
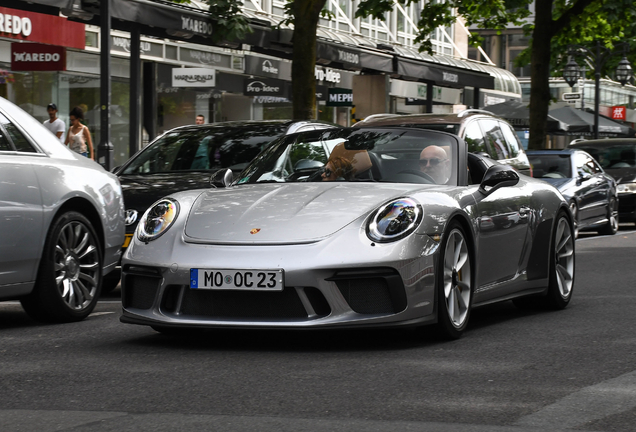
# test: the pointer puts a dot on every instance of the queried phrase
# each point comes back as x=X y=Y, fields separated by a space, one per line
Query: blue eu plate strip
x=194 y=278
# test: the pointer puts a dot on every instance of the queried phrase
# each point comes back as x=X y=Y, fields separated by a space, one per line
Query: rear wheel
x=561 y=265
x=454 y=284
x=611 y=227
x=68 y=281
x=561 y=270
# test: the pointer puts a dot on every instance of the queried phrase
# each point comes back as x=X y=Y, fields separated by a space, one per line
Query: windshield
x=351 y=155
x=203 y=149
x=613 y=157
x=551 y=165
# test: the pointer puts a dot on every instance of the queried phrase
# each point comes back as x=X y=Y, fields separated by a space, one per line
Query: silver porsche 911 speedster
x=351 y=228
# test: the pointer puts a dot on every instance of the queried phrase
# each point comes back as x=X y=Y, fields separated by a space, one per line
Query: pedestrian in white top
x=54 y=124
x=79 y=138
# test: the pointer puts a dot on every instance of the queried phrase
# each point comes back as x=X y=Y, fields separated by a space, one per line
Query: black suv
x=483 y=132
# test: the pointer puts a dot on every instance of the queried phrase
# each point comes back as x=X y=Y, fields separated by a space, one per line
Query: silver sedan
x=351 y=228
x=61 y=221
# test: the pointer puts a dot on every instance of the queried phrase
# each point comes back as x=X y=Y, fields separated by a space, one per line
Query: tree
x=557 y=24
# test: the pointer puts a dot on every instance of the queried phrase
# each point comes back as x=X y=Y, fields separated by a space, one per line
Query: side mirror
x=222 y=178
x=584 y=176
x=498 y=176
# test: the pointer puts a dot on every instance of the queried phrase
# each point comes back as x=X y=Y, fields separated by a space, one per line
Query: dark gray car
x=590 y=192
x=617 y=156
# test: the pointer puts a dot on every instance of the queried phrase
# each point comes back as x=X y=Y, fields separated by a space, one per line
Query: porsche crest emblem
x=254 y=230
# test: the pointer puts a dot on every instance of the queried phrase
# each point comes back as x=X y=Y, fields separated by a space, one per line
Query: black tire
x=454 y=283
x=68 y=282
x=110 y=281
x=611 y=227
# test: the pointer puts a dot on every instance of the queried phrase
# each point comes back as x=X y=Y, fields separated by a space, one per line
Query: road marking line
x=588 y=404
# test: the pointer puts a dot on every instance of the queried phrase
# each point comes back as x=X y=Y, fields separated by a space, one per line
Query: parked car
x=591 y=193
x=185 y=158
x=482 y=131
x=617 y=156
x=350 y=228
x=61 y=221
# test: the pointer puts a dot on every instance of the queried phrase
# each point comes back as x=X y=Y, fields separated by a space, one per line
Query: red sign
x=36 y=27
x=619 y=113
x=37 y=57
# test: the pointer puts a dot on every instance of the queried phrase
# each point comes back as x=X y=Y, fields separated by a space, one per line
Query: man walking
x=54 y=124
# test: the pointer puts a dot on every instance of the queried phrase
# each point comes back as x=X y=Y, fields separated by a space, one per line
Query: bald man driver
x=434 y=162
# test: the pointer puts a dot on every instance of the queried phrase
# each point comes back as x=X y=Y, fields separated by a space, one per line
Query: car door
x=593 y=189
x=21 y=229
x=502 y=218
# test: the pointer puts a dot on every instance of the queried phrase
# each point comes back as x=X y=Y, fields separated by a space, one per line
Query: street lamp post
x=572 y=72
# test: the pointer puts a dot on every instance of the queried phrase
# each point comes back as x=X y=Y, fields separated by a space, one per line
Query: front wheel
x=454 y=284
x=68 y=282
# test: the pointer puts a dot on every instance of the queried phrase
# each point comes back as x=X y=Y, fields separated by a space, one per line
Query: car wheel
x=68 y=282
x=561 y=280
x=110 y=281
x=454 y=284
x=611 y=227
x=575 y=218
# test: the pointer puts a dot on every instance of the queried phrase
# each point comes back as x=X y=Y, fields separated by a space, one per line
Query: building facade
x=374 y=63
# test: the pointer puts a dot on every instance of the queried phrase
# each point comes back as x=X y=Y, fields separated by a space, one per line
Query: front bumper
x=326 y=286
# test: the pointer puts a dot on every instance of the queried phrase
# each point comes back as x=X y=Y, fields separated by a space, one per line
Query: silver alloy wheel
x=457 y=278
x=564 y=257
x=76 y=265
x=575 y=218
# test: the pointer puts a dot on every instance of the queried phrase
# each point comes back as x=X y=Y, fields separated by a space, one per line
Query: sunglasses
x=431 y=162
x=327 y=172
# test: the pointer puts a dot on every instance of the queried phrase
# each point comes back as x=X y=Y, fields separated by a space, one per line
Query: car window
x=498 y=148
x=203 y=149
x=612 y=157
x=474 y=138
x=19 y=141
x=584 y=164
x=551 y=165
x=511 y=139
x=4 y=142
x=370 y=154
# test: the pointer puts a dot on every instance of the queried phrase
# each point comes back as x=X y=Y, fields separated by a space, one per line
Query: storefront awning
x=518 y=114
x=354 y=57
x=442 y=75
x=50 y=7
x=581 y=123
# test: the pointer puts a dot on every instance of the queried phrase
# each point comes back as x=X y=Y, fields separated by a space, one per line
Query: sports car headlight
x=157 y=219
x=626 y=188
x=395 y=220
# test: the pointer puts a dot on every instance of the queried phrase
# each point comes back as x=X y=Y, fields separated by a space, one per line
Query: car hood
x=559 y=183
x=284 y=213
x=141 y=191
x=623 y=175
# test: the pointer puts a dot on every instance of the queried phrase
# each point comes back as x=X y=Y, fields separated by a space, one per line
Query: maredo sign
x=37 y=57
x=35 y=27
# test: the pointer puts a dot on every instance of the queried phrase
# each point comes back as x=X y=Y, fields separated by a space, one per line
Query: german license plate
x=224 y=279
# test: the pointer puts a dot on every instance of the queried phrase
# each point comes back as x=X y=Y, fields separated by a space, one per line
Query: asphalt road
x=513 y=371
